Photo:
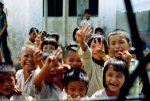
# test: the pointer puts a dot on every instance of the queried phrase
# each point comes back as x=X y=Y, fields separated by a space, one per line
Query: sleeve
x=87 y=60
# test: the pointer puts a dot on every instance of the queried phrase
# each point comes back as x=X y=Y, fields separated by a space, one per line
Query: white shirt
x=26 y=86
x=16 y=98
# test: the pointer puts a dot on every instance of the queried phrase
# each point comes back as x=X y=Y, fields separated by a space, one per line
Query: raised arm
x=50 y=61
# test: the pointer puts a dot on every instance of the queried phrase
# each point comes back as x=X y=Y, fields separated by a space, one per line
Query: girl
x=76 y=84
x=115 y=74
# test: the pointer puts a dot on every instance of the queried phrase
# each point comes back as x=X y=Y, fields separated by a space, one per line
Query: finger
x=58 y=53
x=85 y=28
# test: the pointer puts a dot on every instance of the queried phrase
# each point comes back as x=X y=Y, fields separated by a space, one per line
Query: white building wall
x=21 y=16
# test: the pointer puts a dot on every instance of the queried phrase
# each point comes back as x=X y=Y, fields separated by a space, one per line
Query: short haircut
x=87 y=11
x=56 y=36
x=71 y=47
x=74 y=33
x=75 y=74
x=1 y=5
x=98 y=29
x=33 y=29
x=28 y=46
x=50 y=41
x=132 y=50
x=6 y=68
x=43 y=33
x=118 y=65
x=119 y=31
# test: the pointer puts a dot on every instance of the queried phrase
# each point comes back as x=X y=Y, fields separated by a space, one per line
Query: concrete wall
x=21 y=16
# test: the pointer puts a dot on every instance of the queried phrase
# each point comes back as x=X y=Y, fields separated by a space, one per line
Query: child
x=48 y=81
x=48 y=44
x=93 y=56
x=119 y=43
x=71 y=56
x=99 y=31
x=7 y=85
x=26 y=75
x=87 y=19
x=115 y=74
x=32 y=35
x=75 y=84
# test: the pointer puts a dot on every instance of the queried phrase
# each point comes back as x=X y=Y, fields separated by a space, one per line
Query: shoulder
x=19 y=72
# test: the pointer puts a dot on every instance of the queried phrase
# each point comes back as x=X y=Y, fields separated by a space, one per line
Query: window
x=55 y=7
x=93 y=6
x=72 y=7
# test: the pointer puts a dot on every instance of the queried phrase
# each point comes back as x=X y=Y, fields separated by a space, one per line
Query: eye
x=72 y=89
x=71 y=60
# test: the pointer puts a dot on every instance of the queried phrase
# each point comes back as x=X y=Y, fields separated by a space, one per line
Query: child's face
x=76 y=89
x=118 y=44
x=55 y=73
x=114 y=80
x=32 y=36
x=7 y=84
x=73 y=59
x=26 y=59
x=48 y=47
x=97 y=48
x=87 y=16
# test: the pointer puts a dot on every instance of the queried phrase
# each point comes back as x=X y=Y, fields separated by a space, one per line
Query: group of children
x=90 y=69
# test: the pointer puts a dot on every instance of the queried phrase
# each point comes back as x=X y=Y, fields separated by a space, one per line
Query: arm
x=4 y=27
x=49 y=63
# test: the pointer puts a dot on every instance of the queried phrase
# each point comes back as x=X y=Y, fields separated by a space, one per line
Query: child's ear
x=130 y=44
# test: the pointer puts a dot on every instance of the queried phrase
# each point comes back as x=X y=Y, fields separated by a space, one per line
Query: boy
x=48 y=81
x=71 y=56
x=87 y=14
x=32 y=35
x=26 y=75
x=7 y=85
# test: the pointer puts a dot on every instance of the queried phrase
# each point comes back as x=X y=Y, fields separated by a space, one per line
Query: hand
x=83 y=34
x=126 y=56
x=38 y=57
x=17 y=90
x=52 y=60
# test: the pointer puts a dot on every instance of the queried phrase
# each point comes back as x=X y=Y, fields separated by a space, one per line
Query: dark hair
x=6 y=68
x=118 y=65
x=71 y=47
x=119 y=31
x=87 y=11
x=132 y=50
x=55 y=35
x=33 y=29
x=75 y=74
x=1 y=5
x=43 y=33
x=99 y=38
x=98 y=29
x=47 y=41
x=74 y=33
